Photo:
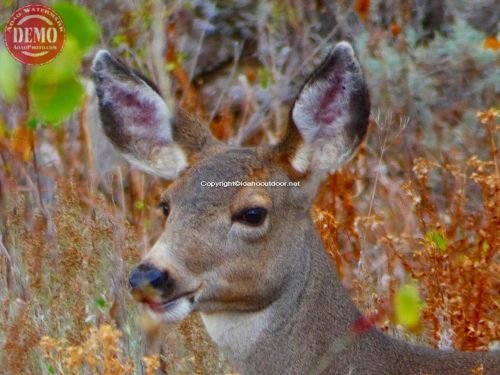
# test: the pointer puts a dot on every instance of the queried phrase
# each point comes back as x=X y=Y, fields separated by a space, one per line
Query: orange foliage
x=191 y=100
x=334 y=215
x=454 y=258
x=222 y=125
x=491 y=43
x=22 y=142
x=251 y=74
x=100 y=352
x=395 y=29
x=362 y=7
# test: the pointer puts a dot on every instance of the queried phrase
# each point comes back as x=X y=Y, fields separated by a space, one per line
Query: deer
x=248 y=258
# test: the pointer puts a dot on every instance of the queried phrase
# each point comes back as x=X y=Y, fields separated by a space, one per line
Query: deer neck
x=312 y=311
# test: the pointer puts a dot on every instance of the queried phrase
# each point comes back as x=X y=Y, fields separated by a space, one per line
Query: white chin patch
x=177 y=310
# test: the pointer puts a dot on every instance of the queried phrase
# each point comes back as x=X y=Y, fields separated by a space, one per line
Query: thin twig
x=4 y=250
x=158 y=46
x=387 y=140
x=323 y=43
x=238 y=48
x=197 y=55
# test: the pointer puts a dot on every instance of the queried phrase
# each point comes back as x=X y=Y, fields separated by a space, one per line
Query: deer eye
x=251 y=216
x=164 y=207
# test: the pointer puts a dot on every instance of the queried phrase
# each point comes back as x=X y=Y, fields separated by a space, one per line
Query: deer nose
x=146 y=276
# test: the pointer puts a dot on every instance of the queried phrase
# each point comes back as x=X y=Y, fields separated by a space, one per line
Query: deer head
x=229 y=249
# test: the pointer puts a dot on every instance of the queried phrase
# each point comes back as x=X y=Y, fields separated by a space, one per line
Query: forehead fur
x=226 y=165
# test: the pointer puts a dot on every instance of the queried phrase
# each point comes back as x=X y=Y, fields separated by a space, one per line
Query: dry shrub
x=334 y=214
x=457 y=252
x=99 y=353
x=453 y=252
x=21 y=339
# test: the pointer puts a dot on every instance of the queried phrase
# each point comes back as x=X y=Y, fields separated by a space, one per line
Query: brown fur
x=269 y=295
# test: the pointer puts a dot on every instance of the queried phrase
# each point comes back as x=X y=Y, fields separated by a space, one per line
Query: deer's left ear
x=330 y=116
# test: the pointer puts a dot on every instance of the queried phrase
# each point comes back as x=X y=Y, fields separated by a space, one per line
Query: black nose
x=145 y=275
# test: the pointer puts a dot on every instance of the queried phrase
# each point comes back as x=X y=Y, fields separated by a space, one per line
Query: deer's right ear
x=139 y=123
x=330 y=116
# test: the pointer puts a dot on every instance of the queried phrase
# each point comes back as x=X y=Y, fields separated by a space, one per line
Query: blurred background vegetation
x=412 y=223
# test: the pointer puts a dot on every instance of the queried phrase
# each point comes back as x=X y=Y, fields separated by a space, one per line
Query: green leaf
x=437 y=239
x=10 y=76
x=408 y=306
x=139 y=205
x=51 y=369
x=119 y=39
x=54 y=88
x=53 y=103
x=169 y=67
x=264 y=78
x=181 y=57
x=32 y=123
x=100 y=302
x=63 y=68
x=79 y=24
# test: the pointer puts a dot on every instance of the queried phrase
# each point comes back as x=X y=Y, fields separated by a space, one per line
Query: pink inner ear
x=330 y=104
x=131 y=108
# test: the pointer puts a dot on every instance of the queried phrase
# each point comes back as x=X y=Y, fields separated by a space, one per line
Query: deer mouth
x=174 y=309
x=161 y=307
